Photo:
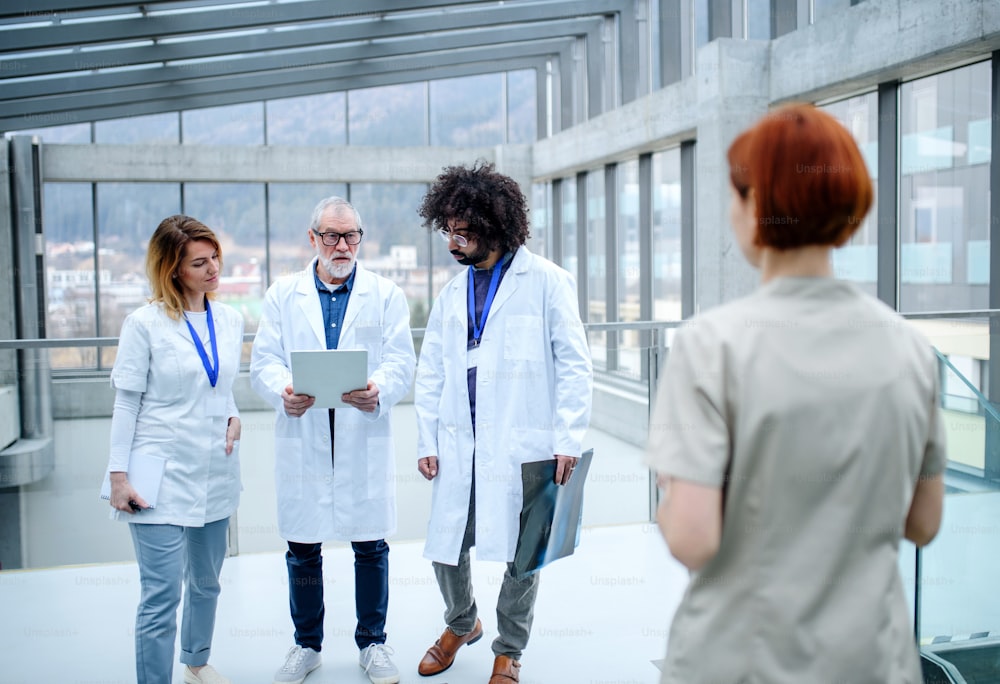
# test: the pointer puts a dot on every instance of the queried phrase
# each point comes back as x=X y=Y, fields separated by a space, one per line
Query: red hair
x=809 y=180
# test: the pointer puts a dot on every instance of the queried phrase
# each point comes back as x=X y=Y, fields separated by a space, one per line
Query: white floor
x=601 y=618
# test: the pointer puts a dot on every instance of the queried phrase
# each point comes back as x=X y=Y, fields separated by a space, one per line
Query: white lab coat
x=533 y=398
x=157 y=357
x=349 y=495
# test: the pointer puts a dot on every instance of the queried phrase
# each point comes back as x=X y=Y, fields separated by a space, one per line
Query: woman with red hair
x=796 y=437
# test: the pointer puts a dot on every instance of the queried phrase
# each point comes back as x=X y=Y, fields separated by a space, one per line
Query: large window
x=155 y=129
x=235 y=211
x=627 y=228
x=310 y=120
x=398 y=247
x=522 y=107
x=468 y=111
x=388 y=115
x=857 y=261
x=666 y=193
x=71 y=272
x=597 y=263
x=540 y=218
x=569 y=256
x=240 y=124
x=127 y=215
x=289 y=211
x=944 y=199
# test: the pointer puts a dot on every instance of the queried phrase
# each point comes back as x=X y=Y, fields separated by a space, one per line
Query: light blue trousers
x=168 y=556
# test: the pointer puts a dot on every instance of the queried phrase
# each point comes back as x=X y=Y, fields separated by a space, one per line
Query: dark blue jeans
x=371 y=592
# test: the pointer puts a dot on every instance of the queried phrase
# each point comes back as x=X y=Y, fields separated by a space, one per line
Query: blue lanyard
x=477 y=327
x=213 y=372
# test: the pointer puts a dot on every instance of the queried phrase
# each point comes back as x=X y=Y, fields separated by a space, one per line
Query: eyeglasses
x=448 y=235
x=332 y=238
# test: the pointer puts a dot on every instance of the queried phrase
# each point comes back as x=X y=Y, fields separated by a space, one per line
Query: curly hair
x=491 y=202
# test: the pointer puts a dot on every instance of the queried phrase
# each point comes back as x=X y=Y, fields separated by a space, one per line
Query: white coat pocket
x=521 y=339
x=234 y=464
x=369 y=338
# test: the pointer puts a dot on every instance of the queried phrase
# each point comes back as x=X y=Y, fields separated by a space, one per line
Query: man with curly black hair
x=504 y=378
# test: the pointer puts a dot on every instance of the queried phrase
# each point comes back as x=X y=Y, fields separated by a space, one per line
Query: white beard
x=337 y=271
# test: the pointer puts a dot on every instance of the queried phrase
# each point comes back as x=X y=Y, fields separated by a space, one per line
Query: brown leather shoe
x=505 y=670
x=441 y=655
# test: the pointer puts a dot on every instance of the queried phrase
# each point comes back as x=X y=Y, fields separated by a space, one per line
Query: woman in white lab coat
x=174 y=466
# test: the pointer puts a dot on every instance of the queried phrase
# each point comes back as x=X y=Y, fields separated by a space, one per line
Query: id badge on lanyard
x=472 y=354
x=213 y=404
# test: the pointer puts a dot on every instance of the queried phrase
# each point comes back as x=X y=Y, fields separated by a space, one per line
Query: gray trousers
x=515 y=605
x=169 y=556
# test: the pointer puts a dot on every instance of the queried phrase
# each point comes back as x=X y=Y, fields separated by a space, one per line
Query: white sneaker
x=375 y=661
x=298 y=664
x=206 y=675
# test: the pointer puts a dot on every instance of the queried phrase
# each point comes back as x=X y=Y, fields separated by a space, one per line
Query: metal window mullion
x=267 y=233
x=611 y=227
x=887 y=279
x=96 y=234
x=687 y=229
x=557 y=220
x=582 y=286
x=646 y=293
x=992 y=388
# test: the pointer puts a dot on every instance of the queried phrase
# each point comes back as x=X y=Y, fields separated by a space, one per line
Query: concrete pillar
x=732 y=78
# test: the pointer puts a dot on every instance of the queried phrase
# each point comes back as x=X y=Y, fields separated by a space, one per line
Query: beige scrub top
x=815 y=408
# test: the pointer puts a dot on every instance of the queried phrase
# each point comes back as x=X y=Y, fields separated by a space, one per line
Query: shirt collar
x=501 y=262
x=348 y=284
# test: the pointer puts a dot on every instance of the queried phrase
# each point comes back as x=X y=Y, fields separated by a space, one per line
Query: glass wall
x=397 y=246
x=857 y=261
x=597 y=264
x=71 y=271
x=468 y=111
x=944 y=198
x=629 y=355
x=240 y=124
x=522 y=107
x=310 y=120
x=540 y=218
x=666 y=235
x=96 y=273
x=75 y=134
x=236 y=212
x=388 y=115
x=289 y=211
x=127 y=215
x=758 y=19
x=569 y=257
x=154 y=129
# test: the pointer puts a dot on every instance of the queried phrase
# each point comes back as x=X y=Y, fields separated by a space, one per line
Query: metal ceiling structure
x=70 y=61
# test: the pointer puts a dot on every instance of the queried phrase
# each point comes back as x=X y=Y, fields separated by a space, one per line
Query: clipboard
x=145 y=472
x=328 y=373
x=551 y=514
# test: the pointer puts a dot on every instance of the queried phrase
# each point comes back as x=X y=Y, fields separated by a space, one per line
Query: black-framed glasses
x=448 y=235
x=332 y=238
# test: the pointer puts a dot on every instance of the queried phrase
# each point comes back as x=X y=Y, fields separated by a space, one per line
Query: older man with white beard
x=334 y=469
